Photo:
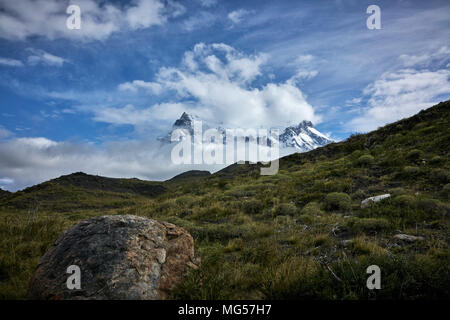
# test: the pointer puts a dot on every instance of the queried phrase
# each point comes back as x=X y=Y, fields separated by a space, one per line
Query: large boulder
x=119 y=257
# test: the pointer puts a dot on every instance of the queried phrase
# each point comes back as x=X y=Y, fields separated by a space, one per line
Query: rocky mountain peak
x=185 y=121
x=303 y=137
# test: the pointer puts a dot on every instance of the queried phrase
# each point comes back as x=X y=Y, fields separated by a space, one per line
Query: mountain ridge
x=302 y=137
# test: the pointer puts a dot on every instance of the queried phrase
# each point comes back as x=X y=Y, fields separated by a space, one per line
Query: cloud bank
x=404 y=92
x=217 y=82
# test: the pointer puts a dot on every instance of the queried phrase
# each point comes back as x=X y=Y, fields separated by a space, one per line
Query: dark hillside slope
x=4 y=194
x=80 y=190
x=189 y=175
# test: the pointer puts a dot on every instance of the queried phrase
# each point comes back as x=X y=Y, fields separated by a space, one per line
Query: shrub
x=445 y=193
x=305 y=218
x=236 y=244
x=398 y=191
x=321 y=240
x=410 y=171
x=312 y=208
x=405 y=201
x=361 y=246
x=337 y=201
x=436 y=160
x=359 y=194
x=369 y=225
x=414 y=155
x=286 y=209
x=440 y=176
x=252 y=206
x=365 y=160
x=240 y=193
x=431 y=206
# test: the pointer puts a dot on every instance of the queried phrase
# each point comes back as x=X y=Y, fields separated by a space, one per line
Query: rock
x=346 y=242
x=408 y=238
x=366 y=202
x=120 y=257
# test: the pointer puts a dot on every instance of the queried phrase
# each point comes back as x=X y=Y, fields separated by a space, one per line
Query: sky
x=95 y=99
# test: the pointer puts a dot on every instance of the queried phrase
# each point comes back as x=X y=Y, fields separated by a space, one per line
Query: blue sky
x=73 y=99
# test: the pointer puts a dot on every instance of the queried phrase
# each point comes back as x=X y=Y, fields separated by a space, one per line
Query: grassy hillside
x=80 y=191
x=300 y=234
x=3 y=193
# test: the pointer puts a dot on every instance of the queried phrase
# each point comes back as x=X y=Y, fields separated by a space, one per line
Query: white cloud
x=237 y=15
x=135 y=85
x=6 y=181
x=208 y=3
x=305 y=68
x=10 y=62
x=29 y=163
x=304 y=75
x=39 y=143
x=47 y=18
x=354 y=101
x=216 y=82
x=439 y=56
x=137 y=117
x=4 y=133
x=201 y=20
x=304 y=59
x=145 y=14
x=41 y=57
x=401 y=94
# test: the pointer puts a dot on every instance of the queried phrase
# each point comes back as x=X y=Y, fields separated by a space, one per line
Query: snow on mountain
x=302 y=138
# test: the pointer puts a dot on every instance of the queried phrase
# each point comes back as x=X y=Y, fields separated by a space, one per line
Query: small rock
x=366 y=202
x=346 y=242
x=408 y=238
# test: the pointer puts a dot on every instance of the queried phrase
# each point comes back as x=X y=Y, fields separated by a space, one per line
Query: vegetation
x=300 y=234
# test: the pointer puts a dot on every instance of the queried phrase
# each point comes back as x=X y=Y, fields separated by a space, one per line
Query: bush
x=361 y=246
x=286 y=209
x=312 y=208
x=369 y=225
x=398 y=191
x=436 y=160
x=365 y=160
x=445 y=193
x=431 y=206
x=252 y=206
x=405 y=201
x=440 y=176
x=414 y=155
x=410 y=171
x=338 y=201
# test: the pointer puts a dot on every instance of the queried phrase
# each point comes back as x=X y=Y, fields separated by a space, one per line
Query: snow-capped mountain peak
x=303 y=137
